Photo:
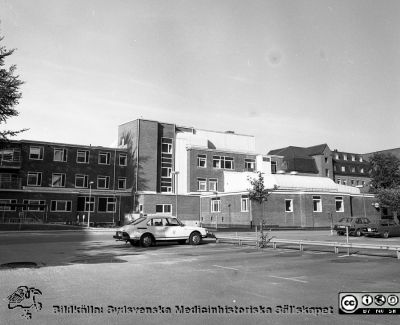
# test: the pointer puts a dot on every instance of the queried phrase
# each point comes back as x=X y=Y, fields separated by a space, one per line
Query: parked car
x=355 y=224
x=384 y=228
x=148 y=230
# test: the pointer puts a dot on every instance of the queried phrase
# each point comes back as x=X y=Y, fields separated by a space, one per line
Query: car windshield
x=345 y=220
x=136 y=221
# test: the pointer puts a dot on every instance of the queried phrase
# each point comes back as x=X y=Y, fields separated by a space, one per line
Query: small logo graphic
x=349 y=303
x=380 y=300
x=367 y=300
x=26 y=299
x=392 y=300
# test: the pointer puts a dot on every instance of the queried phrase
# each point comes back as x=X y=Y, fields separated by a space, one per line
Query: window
x=353 y=169
x=339 y=204
x=317 y=204
x=202 y=161
x=223 y=162
x=34 y=179
x=344 y=157
x=273 y=167
x=339 y=181
x=123 y=159
x=327 y=172
x=288 y=205
x=345 y=182
x=8 y=155
x=81 y=181
x=326 y=160
x=215 y=205
x=104 y=158
x=362 y=170
x=36 y=153
x=164 y=208
x=122 y=183
x=140 y=207
x=201 y=184
x=166 y=171
x=166 y=145
x=352 y=182
x=336 y=156
x=244 y=203
x=353 y=158
x=85 y=203
x=103 y=182
x=249 y=164
x=34 y=205
x=107 y=204
x=58 y=180
x=363 y=183
x=82 y=156
x=213 y=184
x=8 y=205
x=343 y=168
x=360 y=159
x=60 y=155
x=61 y=206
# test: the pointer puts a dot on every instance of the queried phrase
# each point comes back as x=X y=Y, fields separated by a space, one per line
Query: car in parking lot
x=355 y=225
x=384 y=228
x=147 y=230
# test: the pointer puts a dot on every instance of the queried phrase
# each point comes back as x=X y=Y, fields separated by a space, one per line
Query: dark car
x=384 y=228
x=356 y=225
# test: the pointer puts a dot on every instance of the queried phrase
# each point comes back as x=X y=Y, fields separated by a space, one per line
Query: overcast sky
x=297 y=73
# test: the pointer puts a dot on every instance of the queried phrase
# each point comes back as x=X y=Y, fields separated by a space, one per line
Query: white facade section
x=236 y=182
x=263 y=164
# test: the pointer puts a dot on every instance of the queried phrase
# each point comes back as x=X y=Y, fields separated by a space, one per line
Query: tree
x=260 y=194
x=384 y=171
x=9 y=93
x=389 y=197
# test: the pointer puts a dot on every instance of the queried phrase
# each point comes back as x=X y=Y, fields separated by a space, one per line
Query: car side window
x=358 y=220
x=155 y=222
x=172 y=222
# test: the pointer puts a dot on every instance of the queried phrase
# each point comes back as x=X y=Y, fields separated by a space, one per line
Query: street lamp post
x=176 y=173
x=90 y=202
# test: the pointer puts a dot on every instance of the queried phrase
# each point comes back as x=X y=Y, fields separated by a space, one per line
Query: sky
x=298 y=73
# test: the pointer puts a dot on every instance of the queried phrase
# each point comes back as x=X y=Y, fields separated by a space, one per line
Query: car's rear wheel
x=195 y=238
x=147 y=240
x=385 y=234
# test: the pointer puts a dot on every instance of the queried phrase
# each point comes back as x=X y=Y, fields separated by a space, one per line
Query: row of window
x=212 y=184
x=351 y=169
x=82 y=156
x=351 y=157
x=225 y=162
x=84 y=204
x=244 y=204
x=353 y=182
x=81 y=181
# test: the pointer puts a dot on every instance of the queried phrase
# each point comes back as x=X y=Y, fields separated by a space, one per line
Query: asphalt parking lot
x=112 y=282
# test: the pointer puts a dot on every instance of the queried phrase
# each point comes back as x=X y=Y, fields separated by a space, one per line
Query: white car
x=151 y=229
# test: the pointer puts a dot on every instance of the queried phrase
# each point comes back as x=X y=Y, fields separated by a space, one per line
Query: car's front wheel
x=358 y=233
x=195 y=238
x=385 y=234
x=147 y=240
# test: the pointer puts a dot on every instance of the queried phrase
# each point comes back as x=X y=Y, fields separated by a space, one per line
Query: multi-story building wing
x=62 y=182
x=350 y=169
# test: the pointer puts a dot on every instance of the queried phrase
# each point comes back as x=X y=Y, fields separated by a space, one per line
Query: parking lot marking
x=226 y=267
x=290 y=279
